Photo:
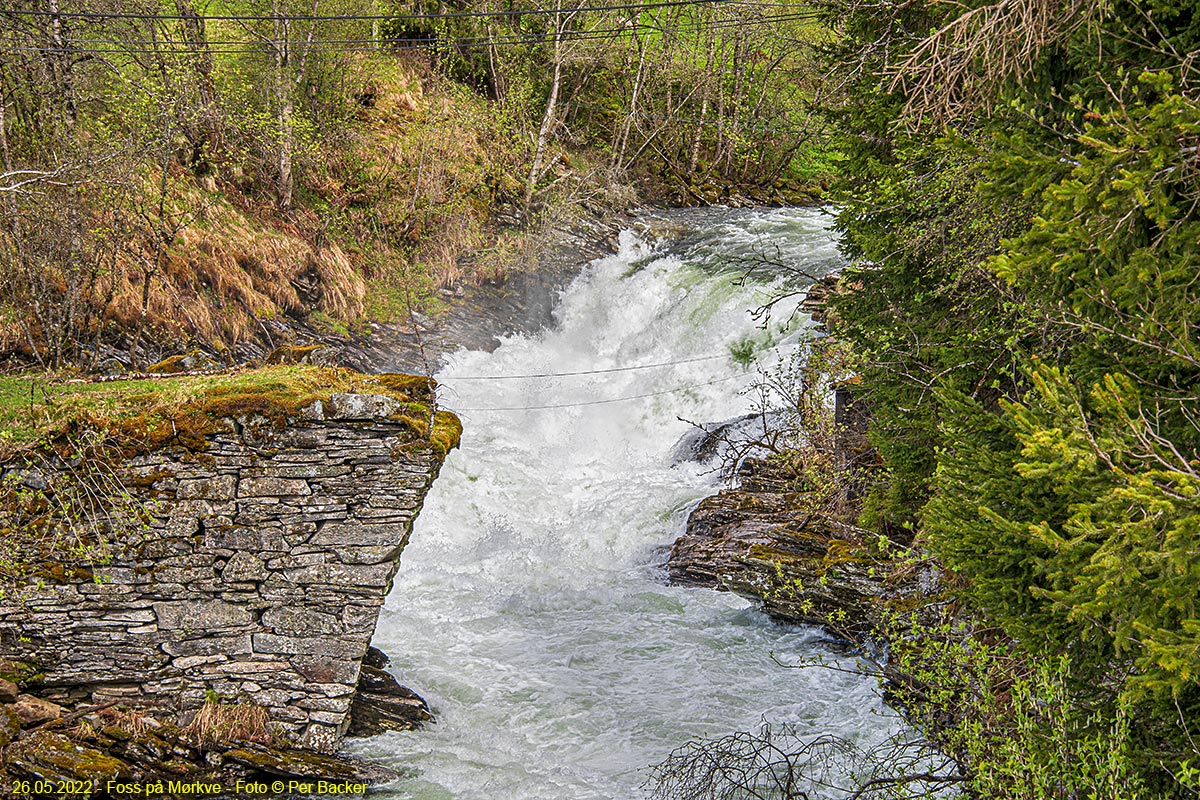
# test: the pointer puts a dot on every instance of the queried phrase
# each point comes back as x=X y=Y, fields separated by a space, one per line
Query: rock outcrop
x=382 y=704
x=86 y=751
x=257 y=572
x=766 y=542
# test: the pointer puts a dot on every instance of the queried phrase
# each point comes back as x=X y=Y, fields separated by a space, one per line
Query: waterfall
x=531 y=609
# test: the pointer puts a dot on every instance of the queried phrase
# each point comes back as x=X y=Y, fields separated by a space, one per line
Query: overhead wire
x=246 y=46
x=103 y=15
x=234 y=47
x=449 y=381
x=121 y=46
x=598 y=402
x=603 y=371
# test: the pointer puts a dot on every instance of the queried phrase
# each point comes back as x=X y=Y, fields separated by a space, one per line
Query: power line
x=116 y=46
x=102 y=15
x=400 y=40
x=452 y=379
x=600 y=402
x=189 y=48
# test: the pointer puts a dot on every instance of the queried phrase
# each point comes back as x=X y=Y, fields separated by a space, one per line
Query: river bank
x=784 y=533
x=767 y=541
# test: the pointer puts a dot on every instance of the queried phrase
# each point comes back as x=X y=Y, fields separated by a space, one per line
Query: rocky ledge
x=265 y=535
x=765 y=541
x=117 y=749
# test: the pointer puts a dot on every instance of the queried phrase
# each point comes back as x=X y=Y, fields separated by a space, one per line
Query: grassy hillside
x=386 y=212
x=202 y=173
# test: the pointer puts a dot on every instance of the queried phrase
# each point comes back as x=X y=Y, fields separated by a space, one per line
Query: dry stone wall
x=260 y=573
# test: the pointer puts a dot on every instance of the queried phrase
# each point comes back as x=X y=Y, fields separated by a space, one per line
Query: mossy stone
x=301 y=354
x=22 y=673
x=52 y=756
x=446 y=433
x=146 y=414
x=10 y=725
x=187 y=362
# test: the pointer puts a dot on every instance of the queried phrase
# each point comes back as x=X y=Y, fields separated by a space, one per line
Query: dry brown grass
x=398 y=206
x=228 y=271
x=217 y=723
x=131 y=721
x=438 y=169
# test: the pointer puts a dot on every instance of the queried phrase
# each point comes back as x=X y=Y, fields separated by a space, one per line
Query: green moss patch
x=446 y=433
x=54 y=757
x=22 y=673
x=139 y=415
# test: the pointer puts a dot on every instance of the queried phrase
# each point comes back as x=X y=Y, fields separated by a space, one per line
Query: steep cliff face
x=259 y=573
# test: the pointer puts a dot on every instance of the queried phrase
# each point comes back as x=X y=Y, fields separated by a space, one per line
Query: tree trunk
x=497 y=78
x=623 y=138
x=159 y=238
x=204 y=133
x=62 y=59
x=4 y=151
x=548 y=118
x=698 y=137
x=283 y=99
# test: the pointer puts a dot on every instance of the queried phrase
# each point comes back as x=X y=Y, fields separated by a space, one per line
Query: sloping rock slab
x=307 y=764
x=765 y=542
x=382 y=704
x=54 y=757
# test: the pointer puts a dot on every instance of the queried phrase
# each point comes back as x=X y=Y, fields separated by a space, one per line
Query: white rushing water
x=531 y=608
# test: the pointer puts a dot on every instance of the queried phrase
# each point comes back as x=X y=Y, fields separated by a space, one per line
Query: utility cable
x=353 y=17
x=600 y=402
x=392 y=42
x=452 y=379
x=247 y=47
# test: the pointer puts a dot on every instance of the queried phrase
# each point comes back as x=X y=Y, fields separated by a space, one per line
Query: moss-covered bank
x=143 y=413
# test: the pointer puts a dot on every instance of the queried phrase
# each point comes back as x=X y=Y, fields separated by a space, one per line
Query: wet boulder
x=382 y=704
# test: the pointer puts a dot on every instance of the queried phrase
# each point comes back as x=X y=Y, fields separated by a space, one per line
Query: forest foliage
x=186 y=170
x=1020 y=189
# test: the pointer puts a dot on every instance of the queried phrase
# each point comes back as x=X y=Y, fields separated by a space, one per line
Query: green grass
x=140 y=414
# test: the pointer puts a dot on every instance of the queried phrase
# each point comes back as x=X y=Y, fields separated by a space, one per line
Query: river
x=531 y=608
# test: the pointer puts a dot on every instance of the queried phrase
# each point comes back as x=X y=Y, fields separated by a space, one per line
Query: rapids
x=531 y=609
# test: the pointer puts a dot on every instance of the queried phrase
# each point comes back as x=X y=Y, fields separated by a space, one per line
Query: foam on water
x=531 y=609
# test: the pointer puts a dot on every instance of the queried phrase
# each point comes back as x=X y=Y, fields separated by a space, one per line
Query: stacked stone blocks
x=260 y=575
